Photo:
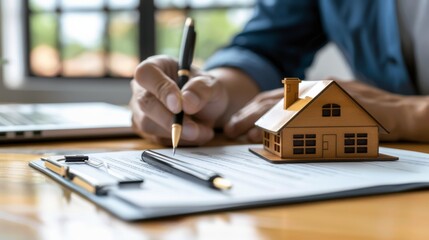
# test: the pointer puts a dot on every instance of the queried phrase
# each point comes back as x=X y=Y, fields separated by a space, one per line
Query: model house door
x=329 y=146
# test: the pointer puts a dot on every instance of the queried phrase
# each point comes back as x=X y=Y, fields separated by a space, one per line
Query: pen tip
x=189 y=22
x=174 y=151
x=176 y=131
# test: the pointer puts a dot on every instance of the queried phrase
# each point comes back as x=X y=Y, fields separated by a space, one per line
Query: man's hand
x=156 y=98
x=406 y=117
x=243 y=122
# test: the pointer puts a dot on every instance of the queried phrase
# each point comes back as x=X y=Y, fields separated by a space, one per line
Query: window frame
x=304 y=144
x=356 y=143
x=18 y=86
x=147 y=10
x=277 y=142
x=146 y=27
x=266 y=139
x=331 y=110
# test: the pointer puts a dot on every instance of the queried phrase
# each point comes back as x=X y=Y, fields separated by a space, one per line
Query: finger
x=164 y=140
x=144 y=104
x=155 y=110
x=194 y=132
x=152 y=120
x=145 y=125
x=198 y=92
x=204 y=98
x=241 y=122
x=156 y=76
x=140 y=121
x=137 y=127
x=156 y=139
x=254 y=135
x=244 y=120
x=167 y=141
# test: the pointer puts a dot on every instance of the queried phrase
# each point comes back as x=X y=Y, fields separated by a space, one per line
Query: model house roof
x=277 y=117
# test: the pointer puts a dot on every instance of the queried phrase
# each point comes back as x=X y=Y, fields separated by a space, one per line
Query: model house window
x=331 y=110
x=276 y=147
x=277 y=138
x=304 y=144
x=108 y=38
x=267 y=139
x=277 y=142
x=355 y=143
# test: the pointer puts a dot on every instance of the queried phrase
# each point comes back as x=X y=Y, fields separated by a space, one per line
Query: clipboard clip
x=62 y=167
x=57 y=164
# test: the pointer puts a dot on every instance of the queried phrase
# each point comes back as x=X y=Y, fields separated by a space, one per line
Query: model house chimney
x=291 y=90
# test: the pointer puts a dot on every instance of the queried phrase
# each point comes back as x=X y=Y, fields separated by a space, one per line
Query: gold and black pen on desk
x=185 y=61
x=186 y=170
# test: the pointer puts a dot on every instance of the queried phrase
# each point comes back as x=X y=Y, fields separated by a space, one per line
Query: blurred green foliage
x=214 y=29
x=73 y=49
x=124 y=34
x=43 y=29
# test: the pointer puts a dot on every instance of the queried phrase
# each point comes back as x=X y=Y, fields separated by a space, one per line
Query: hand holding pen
x=208 y=100
x=157 y=98
x=185 y=61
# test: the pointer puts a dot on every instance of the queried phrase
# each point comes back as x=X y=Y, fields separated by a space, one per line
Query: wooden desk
x=32 y=206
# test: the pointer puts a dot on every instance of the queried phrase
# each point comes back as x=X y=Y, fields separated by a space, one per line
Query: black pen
x=185 y=170
x=185 y=62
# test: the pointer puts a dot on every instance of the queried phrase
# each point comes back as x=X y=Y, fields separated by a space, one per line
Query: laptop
x=27 y=122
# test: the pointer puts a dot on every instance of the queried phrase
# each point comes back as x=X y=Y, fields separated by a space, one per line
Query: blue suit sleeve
x=280 y=40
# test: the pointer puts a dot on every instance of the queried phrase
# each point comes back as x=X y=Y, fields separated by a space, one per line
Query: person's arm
x=280 y=40
x=405 y=117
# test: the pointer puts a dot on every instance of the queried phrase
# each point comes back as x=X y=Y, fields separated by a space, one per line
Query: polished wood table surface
x=32 y=206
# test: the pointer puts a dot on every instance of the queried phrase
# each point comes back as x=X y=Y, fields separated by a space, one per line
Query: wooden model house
x=318 y=121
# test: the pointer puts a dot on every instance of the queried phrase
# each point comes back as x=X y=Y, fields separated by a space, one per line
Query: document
x=257 y=182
